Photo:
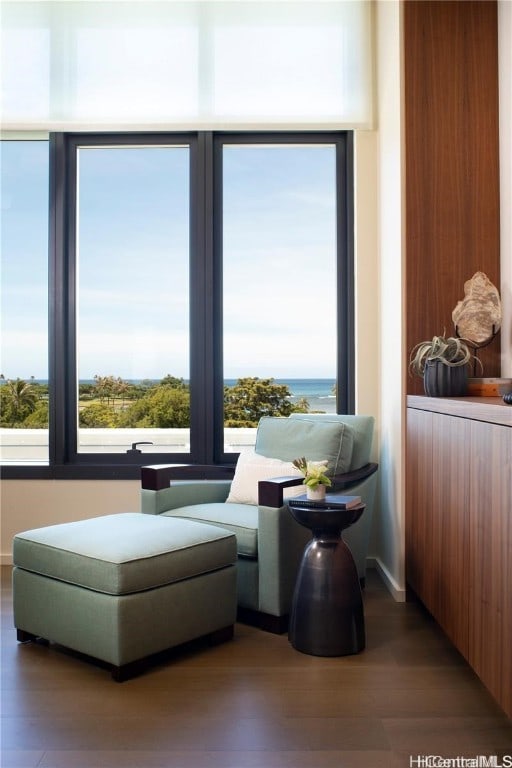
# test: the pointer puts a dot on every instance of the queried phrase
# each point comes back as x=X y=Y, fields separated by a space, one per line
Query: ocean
x=318 y=392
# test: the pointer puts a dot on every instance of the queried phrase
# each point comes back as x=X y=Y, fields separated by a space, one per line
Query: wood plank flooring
x=253 y=702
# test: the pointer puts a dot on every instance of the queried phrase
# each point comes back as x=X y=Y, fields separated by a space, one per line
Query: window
x=279 y=280
x=132 y=288
x=183 y=268
x=24 y=295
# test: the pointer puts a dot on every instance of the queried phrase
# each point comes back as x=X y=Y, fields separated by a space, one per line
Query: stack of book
x=331 y=500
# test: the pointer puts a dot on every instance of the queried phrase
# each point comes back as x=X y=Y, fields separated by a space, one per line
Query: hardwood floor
x=253 y=702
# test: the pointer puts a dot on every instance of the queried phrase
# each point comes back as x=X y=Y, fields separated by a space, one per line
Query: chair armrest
x=270 y=492
x=342 y=482
x=155 y=477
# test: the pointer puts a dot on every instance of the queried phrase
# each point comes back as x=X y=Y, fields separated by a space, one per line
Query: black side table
x=327 y=617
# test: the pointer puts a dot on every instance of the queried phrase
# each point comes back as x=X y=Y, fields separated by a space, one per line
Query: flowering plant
x=314 y=472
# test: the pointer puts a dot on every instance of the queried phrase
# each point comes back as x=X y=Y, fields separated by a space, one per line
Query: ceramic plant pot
x=441 y=380
x=316 y=494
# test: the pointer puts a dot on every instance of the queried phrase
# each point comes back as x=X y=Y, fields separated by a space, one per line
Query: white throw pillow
x=251 y=467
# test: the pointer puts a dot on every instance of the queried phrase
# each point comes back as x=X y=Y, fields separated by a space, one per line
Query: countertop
x=489 y=409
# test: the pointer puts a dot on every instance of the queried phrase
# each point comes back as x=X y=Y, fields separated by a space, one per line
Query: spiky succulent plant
x=451 y=351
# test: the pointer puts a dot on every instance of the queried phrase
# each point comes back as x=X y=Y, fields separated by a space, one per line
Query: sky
x=133 y=276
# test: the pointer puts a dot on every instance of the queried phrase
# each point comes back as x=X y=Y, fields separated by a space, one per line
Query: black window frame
x=206 y=365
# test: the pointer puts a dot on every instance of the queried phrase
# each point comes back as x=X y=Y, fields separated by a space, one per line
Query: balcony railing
x=19 y=446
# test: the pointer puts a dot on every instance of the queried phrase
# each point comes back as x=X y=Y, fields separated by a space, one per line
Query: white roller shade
x=237 y=63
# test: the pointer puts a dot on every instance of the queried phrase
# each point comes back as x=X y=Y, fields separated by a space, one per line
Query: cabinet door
x=450 y=525
x=437 y=518
x=490 y=558
x=418 y=528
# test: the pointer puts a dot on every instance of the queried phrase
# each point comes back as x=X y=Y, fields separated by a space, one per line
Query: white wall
x=389 y=533
x=29 y=504
x=367 y=287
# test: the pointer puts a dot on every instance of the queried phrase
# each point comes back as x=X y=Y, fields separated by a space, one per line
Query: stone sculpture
x=477 y=317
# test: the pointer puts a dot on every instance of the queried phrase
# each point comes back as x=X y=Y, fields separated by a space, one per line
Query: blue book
x=331 y=500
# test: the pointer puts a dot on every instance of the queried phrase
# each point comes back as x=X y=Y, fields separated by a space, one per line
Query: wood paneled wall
x=452 y=162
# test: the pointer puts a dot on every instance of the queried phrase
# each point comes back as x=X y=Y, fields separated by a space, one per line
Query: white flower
x=314 y=472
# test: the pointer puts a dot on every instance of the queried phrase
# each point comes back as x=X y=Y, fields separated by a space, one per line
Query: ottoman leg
x=126 y=671
x=22 y=636
x=117 y=675
x=221 y=635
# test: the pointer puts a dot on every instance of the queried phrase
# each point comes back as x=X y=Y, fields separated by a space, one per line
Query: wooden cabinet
x=459 y=527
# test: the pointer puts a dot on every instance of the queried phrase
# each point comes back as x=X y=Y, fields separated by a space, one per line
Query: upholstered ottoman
x=122 y=587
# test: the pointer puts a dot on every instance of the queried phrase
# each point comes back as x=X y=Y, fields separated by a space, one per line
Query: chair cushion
x=240 y=519
x=362 y=433
x=124 y=553
x=251 y=467
x=288 y=439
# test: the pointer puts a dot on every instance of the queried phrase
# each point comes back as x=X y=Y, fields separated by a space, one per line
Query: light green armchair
x=269 y=542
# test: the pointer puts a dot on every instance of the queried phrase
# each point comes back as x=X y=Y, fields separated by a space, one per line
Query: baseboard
x=6 y=559
x=277 y=625
x=398 y=593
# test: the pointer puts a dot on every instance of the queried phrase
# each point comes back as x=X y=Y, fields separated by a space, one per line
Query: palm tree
x=20 y=399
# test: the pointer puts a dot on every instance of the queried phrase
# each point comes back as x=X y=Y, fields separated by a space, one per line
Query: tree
x=18 y=400
x=109 y=388
x=251 y=398
x=173 y=382
x=163 y=407
x=38 y=419
x=301 y=406
x=98 y=415
x=86 y=391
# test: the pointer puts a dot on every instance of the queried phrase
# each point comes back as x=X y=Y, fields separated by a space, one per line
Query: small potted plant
x=443 y=364
x=315 y=478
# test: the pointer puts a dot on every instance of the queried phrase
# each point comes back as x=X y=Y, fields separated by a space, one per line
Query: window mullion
x=62 y=438
x=197 y=304
x=345 y=390
x=202 y=304
x=217 y=297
